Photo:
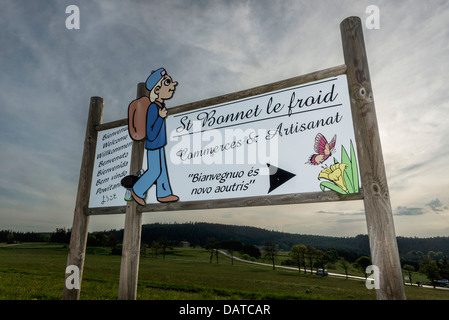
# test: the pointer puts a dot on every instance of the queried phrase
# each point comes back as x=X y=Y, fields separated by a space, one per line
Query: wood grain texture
x=129 y=268
x=257 y=201
x=78 y=239
x=379 y=217
x=314 y=76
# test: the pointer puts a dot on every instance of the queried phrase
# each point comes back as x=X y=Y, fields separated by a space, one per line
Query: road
x=337 y=275
x=330 y=274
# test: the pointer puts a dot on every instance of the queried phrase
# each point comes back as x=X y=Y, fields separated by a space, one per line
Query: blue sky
x=212 y=48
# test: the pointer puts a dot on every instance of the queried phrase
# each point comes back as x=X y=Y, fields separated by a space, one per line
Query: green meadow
x=36 y=272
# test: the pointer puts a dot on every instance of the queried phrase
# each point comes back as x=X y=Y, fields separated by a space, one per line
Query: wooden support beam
x=78 y=240
x=295 y=81
x=379 y=216
x=256 y=201
x=129 y=269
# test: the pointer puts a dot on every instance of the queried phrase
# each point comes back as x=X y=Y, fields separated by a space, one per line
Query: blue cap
x=154 y=78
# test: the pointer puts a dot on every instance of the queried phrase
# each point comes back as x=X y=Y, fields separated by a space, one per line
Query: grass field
x=36 y=271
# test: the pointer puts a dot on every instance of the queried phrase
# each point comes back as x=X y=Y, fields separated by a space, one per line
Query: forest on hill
x=198 y=233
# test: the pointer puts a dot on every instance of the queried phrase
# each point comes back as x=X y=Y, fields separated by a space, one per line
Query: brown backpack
x=137 y=118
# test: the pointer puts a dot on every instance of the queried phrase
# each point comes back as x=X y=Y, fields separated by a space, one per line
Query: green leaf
x=331 y=186
x=348 y=181
x=354 y=169
x=345 y=159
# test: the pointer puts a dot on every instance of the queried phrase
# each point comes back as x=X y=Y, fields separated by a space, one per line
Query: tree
x=323 y=258
x=334 y=255
x=362 y=263
x=60 y=236
x=297 y=253
x=430 y=269
x=112 y=241
x=310 y=255
x=117 y=250
x=143 y=249
x=211 y=245
x=10 y=238
x=155 y=246
x=231 y=246
x=270 y=251
x=302 y=252
x=444 y=268
x=251 y=250
x=97 y=239
x=164 y=244
x=409 y=269
x=345 y=264
x=216 y=254
x=435 y=255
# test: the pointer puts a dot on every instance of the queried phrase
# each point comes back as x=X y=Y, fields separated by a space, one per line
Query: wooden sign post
x=379 y=216
x=129 y=269
x=78 y=240
x=373 y=191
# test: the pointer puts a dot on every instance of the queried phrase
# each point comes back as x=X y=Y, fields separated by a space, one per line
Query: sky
x=50 y=72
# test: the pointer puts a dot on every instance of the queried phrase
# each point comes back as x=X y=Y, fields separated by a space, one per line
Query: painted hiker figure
x=146 y=117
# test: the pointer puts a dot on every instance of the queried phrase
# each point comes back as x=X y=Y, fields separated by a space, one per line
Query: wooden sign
x=293 y=140
x=112 y=162
x=308 y=139
x=298 y=139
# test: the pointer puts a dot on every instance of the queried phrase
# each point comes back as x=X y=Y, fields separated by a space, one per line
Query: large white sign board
x=112 y=162
x=257 y=146
x=261 y=145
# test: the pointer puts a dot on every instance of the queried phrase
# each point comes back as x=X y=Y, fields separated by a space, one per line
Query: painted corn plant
x=343 y=176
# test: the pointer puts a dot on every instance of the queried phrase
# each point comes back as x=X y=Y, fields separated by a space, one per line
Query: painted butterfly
x=323 y=149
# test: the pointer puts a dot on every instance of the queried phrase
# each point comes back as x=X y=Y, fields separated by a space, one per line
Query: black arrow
x=278 y=176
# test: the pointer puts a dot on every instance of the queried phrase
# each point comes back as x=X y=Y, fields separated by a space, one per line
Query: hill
x=197 y=234
x=411 y=249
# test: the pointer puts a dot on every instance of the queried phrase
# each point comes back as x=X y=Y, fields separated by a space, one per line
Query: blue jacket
x=156 y=135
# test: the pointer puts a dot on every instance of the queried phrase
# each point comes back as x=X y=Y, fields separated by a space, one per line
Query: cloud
x=351 y=220
x=437 y=206
x=343 y=213
x=214 y=48
x=405 y=211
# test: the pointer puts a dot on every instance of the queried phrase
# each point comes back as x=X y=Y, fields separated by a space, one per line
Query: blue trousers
x=156 y=173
